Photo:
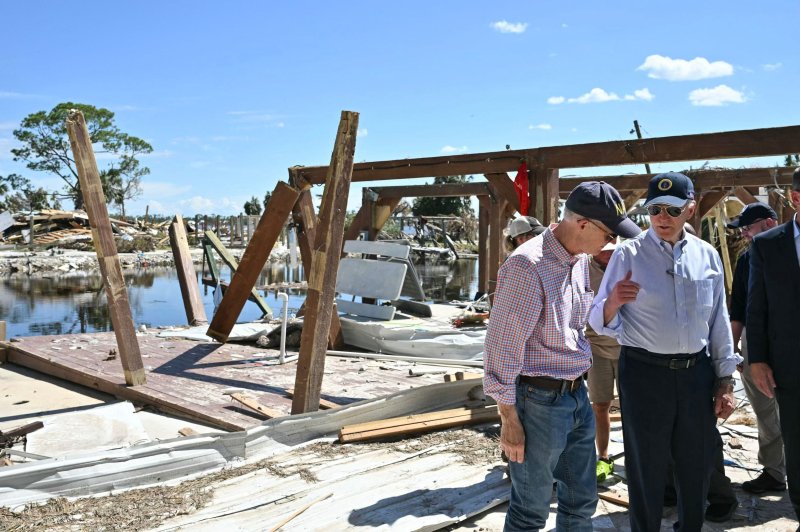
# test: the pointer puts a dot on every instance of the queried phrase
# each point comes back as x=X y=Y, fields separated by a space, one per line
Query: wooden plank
x=544 y=194
x=103 y=238
x=503 y=186
x=188 y=431
x=208 y=256
x=231 y=262
x=306 y=226
x=259 y=246
x=324 y=404
x=253 y=404
x=497 y=223
x=615 y=498
x=416 y=424
x=190 y=291
x=442 y=190
x=383 y=249
x=707 y=146
x=366 y=310
x=2 y=331
x=744 y=195
x=325 y=263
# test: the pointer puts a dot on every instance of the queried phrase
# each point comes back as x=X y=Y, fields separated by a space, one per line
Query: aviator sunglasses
x=655 y=210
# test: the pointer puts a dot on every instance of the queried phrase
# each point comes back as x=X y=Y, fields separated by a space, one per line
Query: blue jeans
x=559 y=445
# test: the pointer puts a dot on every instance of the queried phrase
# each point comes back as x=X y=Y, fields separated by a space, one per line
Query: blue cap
x=670 y=188
x=600 y=201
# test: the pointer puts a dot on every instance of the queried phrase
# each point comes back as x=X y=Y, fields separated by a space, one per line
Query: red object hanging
x=521 y=185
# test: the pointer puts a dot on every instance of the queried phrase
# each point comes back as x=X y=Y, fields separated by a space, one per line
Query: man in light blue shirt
x=663 y=299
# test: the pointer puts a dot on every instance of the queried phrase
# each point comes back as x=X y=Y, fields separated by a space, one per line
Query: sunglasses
x=746 y=228
x=655 y=210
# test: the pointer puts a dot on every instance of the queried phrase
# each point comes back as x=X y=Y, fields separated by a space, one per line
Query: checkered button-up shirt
x=537 y=322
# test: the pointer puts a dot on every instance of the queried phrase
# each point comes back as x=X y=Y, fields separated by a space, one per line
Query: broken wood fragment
x=613 y=497
x=253 y=404
x=418 y=423
x=188 y=431
x=187 y=278
x=324 y=404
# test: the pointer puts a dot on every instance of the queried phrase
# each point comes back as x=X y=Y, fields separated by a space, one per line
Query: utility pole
x=639 y=135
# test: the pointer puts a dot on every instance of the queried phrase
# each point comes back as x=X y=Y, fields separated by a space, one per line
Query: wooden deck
x=188 y=378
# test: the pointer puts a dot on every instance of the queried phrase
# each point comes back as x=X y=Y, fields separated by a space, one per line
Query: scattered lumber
x=188 y=431
x=614 y=498
x=324 y=404
x=10 y=437
x=418 y=423
x=253 y=404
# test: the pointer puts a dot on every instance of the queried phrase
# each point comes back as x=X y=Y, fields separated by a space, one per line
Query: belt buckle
x=680 y=363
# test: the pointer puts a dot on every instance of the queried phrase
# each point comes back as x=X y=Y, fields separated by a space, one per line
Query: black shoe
x=763 y=483
x=721 y=512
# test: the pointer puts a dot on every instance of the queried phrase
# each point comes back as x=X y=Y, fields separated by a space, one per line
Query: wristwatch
x=729 y=380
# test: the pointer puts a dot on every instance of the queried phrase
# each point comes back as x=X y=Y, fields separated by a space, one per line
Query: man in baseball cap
x=536 y=348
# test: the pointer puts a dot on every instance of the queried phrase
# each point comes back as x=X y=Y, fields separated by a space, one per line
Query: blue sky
x=230 y=94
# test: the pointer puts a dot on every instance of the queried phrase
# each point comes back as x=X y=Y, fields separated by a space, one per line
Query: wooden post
x=306 y=227
x=639 y=136
x=192 y=301
x=116 y=291
x=3 y=352
x=544 y=191
x=497 y=222
x=146 y=214
x=483 y=240
x=253 y=260
x=325 y=264
x=2 y=331
x=723 y=246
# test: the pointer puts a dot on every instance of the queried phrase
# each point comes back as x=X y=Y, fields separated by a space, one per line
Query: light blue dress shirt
x=680 y=307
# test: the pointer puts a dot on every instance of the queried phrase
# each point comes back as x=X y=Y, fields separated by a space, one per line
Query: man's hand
x=724 y=402
x=512 y=436
x=761 y=374
x=625 y=291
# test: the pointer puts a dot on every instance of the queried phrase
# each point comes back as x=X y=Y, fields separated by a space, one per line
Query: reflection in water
x=76 y=302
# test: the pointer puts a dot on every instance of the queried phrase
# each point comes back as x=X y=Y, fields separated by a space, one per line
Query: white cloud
x=453 y=149
x=596 y=95
x=163 y=189
x=564 y=26
x=503 y=26
x=545 y=127
x=769 y=67
x=662 y=67
x=9 y=94
x=718 y=96
x=362 y=132
x=556 y=100
x=640 y=94
x=198 y=204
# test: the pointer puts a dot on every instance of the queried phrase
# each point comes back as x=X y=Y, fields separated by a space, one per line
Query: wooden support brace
x=744 y=195
x=709 y=200
x=106 y=249
x=255 y=256
x=503 y=186
x=324 y=267
x=192 y=301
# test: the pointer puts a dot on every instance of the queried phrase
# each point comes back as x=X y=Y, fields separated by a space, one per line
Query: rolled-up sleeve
x=720 y=338
x=517 y=306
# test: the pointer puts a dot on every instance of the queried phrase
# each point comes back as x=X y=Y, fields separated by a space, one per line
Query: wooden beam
x=632 y=197
x=306 y=226
x=325 y=264
x=707 y=146
x=255 y=256
x=444 y=190
x=418 y=423
x=483 y=241
x=544 y=194
x=192 y=301
x=497 y=222
x=231 y=262
x=106 y=249
x=503 y=186
x=705 y=179
x=744 y=195
x=709 y=200
x=208 y=255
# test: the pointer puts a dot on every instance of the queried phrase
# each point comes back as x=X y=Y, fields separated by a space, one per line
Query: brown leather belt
x=547 y=383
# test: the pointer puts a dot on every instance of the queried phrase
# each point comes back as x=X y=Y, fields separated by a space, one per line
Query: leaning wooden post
x=253 y=260
x=324 y=267
x=106 y=248
x=192 y=302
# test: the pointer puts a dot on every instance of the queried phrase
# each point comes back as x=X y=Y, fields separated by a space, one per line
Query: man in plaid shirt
x=536 y=355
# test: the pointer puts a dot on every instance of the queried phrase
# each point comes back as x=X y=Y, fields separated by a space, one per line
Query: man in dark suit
x=773 y=315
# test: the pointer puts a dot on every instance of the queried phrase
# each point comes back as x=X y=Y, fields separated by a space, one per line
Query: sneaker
x=604 y=469
x=763 y=483
x=721 y=512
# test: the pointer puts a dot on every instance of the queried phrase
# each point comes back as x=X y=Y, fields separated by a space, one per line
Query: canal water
x=68 y=303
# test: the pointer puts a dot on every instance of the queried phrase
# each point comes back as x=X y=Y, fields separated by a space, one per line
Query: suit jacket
x=773 y=304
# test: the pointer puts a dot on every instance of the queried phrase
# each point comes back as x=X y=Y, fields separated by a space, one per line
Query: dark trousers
x=789 y=407
x=668 y=416
x=720 y=490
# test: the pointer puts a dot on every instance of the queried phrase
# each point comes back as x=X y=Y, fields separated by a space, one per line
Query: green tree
x=17 y=194
x=792 y=160
x=46 y=148
x=432 y=206
x=267 y=197
x=253 y=206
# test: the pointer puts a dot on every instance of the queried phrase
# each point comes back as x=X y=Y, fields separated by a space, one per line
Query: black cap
x=751 y=213
x=670 y=188
x=600 y=201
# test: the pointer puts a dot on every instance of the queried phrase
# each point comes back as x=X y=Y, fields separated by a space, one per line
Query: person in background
x=773 y=315
x=604 y=371
x=536 y=354
x=663 y=299
x=755 y=219
x=522 y=229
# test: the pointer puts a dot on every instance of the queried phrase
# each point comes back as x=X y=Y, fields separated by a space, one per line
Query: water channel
x=69 y=303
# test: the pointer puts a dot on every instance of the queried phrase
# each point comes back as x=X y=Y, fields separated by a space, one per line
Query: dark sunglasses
x=655 y=210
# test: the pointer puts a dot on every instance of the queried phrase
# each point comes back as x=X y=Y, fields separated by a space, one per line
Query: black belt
x=547 y=383
x=666 y=361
